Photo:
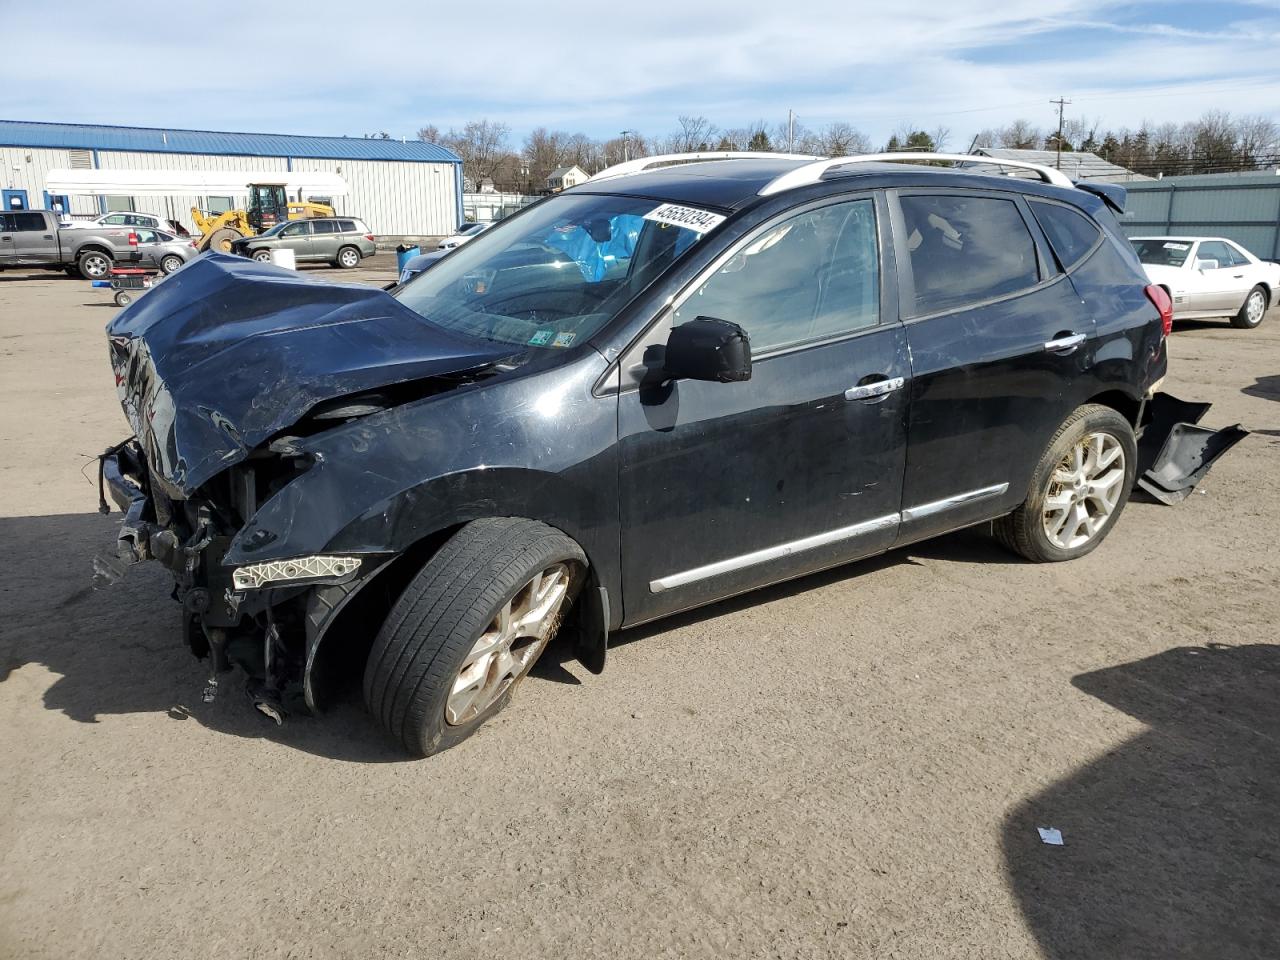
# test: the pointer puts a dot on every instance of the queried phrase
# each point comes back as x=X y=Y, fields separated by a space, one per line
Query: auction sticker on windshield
x=691 y=218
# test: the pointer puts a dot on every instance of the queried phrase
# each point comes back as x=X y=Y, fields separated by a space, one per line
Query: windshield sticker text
x=691 y=218
x=541 y=338
x=1177 y=246
x=564 y=339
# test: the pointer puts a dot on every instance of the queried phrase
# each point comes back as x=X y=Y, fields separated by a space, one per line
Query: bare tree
x=1020 y=135
x=841 y=140
x=430 y=133
x=695 y=133
x=482 y=145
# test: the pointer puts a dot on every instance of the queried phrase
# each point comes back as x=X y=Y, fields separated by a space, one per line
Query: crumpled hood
x=227 y=352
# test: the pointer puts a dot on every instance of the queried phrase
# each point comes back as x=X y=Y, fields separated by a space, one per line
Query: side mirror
x=708 y=349
x=1206 y=264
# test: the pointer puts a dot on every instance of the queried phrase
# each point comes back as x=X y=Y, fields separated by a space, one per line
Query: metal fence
x=1241 y=207
x=488 y=207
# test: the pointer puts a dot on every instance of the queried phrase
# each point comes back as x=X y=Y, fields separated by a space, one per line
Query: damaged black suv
x=658 y=389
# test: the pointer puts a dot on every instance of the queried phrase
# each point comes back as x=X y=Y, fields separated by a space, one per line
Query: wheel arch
x=340 y=620
x=1127 y=406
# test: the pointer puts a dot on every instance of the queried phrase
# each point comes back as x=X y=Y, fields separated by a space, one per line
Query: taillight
x=133 y=239
x=369 y=237
x=1160 y=297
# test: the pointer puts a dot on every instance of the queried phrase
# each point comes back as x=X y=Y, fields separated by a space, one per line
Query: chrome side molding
x=950 y=503
x=772 y=553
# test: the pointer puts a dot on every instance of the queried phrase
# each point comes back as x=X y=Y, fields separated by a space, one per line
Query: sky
x=332 y=68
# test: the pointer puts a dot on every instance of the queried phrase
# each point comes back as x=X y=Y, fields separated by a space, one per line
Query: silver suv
x=341 y=241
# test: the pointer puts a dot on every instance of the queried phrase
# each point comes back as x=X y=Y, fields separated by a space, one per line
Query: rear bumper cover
x=1174 y=452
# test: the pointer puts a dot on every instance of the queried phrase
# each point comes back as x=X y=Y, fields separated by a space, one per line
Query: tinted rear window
x=32 y=222
x=324 y=226
x=349 y=226
x=1071 y=234
x=966 y=249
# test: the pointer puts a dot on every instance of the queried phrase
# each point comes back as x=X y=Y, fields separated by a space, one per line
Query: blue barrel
x=404 y=255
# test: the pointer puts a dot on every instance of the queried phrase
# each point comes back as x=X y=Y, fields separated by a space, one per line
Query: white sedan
x=465 y=232
x=1210 y=277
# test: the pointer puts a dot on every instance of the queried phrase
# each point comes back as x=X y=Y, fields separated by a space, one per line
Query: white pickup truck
x=35 y=239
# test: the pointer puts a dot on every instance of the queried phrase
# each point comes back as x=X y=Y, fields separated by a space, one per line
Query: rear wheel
x=1253 y=310
x=468 y=628
x=94 y=265
x=348 y=258
x=1078 y=490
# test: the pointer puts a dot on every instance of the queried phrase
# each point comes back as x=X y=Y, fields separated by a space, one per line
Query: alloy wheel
x=1255 y=308
x=1084 y=490
x=509 y=646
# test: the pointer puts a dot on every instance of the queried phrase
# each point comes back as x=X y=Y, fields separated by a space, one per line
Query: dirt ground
x=850 y=765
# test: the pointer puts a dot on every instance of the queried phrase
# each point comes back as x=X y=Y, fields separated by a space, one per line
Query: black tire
x=1241 y=320
x=1023 y=530
x=171 y=264
x=94 y=264
x=221 y=240
x=262 y=256
x=123 y=298
x=348 y=258
x=421 y=646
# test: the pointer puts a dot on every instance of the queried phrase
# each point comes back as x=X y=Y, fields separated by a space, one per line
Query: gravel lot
x=850 y=765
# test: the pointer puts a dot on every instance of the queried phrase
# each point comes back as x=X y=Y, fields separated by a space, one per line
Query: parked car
x=662 y=388
x=128 y=219
x=415 y=265
x=166 y=251
x=468 y=231
x=1210 y=277
x=341 y=241
x=34 y=239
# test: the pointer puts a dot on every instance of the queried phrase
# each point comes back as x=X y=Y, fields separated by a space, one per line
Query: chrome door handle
x=877 y=389
x=1065 y=344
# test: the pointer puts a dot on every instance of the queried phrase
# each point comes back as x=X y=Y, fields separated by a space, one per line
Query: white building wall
x=19 y=173
x=396 y=197
x=392 y=197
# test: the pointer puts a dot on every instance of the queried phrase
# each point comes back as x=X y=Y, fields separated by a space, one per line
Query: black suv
x=655 y=390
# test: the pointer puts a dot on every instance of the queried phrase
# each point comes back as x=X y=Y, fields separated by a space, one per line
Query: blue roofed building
x=397 y=187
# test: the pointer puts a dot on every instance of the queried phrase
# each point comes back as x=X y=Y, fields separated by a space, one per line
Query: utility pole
x=791 y=131
x=626 y=153
x=1062 y=106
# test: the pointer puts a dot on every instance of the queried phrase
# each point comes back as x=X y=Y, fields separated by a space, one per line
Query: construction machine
x=268 y=205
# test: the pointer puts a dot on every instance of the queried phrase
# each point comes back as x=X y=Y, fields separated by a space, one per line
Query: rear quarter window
x=1072 y=235
x=966 y=249
x=350 y=226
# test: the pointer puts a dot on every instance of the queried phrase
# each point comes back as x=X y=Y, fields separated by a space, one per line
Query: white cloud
x=326 y=67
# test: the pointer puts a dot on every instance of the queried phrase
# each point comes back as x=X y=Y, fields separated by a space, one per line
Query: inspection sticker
x=691 y=218
x=564 y=339
x=541 y=338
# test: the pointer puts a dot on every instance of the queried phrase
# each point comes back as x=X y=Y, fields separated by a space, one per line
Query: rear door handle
x=877 y=389
x=1065 y=344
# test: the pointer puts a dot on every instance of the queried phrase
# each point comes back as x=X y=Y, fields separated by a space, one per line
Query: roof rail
x=641 y=164
x=813 y=172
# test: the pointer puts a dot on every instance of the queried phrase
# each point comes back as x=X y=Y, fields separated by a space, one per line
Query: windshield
x=1161 y=252
x=559 y=272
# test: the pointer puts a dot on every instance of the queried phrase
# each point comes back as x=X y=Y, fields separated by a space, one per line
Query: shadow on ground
x=1172 y=840
x=117 y=649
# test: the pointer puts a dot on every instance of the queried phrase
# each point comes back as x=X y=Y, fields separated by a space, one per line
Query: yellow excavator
x=269 y=204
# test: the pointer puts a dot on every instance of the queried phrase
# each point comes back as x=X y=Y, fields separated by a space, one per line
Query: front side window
x=558 y=273
x=295 y=230
x=1215 y=250
x=966 y=249
x=1071 y=234
x=813 y=276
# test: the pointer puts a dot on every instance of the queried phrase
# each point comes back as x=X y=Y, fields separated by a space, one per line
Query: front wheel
x=171 y=264
x=262 y=256
x=468 y=628
x=348 y=258
x=1078 y=490
x=1253 y=310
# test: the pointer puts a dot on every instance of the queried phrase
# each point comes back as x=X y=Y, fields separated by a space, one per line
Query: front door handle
x=877 y=389
x=1066 y=344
